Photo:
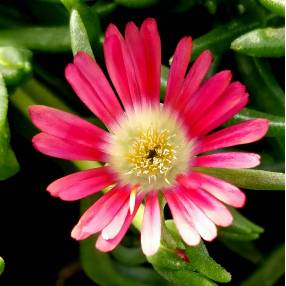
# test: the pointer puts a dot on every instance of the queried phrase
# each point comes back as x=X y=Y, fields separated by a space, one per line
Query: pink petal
x=213 y=208
x=233 y=160
x=151 y=227
x=152 y=45
x=67 y=126
x=205 y=227
x=114 y=227
x=233 y=100
x=220 y=189
x=60 y=148
x=178 y=69
x=88 y=95
x=206 y=96
x=194 y=79
x=182 y=219
x=100 y=214
x=96 y=78
x=82 y=184
x=116 y=58
x=241 y=133
x=134 y=44
x=108 y=245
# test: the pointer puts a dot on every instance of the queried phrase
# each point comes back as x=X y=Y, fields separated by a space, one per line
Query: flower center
x=149 y=149
x=152 y=154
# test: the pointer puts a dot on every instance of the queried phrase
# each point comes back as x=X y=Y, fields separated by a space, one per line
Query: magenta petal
x=114 y=53
x=178 y=69
x=114 y=227
x=194 y=79
x=220 y=189
x=97 y=80
x=60 y=148
x=67 y=126
x=152 y=46
x=182 y=219
x=100 y=214
x=82 y=184
x=151 y=227
x=213 y=208
x=134 y=44
x=205 y=227
x=241 y=133
x=233 y=160
x=88 y=95
x=232 y=101
x=208 y=95
x=106 y=245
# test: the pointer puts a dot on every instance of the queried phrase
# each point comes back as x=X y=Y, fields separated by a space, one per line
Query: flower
x=150 y=148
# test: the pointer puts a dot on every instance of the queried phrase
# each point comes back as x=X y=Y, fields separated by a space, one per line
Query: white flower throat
x=149 y=149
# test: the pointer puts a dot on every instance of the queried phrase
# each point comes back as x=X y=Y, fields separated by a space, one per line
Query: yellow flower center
x=149 y=149
x=152 y=154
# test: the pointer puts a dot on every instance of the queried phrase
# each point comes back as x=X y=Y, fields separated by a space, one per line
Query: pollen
x=149 y=149
x=152 y=154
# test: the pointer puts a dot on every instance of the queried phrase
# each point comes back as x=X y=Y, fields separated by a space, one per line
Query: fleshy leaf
x=79 y=37
x=2 y=265
x=15 y=64
x=276 y=123
x=266 y=42
x=205 y=265
x=219 y=39
x=136 y=3
x=184 y=277
x=249 y=179
x=241 y=228
x=48 y=39
x=276 y=6
x=8 y=162
x=85 y=27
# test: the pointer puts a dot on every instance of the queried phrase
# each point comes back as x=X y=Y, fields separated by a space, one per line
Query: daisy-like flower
x=149 y=148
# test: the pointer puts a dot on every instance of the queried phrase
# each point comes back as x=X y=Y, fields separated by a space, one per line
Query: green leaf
x=2 y=265
x=184 y=277
x=205 y=265
x=137 y=4
x=219 y=39
x=103 y=8
x=266 y=42
x=266 y=94
x=276 y=6
x=241 y=228
x=46 y=39
x=79 y=37
x=168 y=259
x=248 y=179
x=86 y=23
x=129 y=256
x=270 y=270
x=15 y=64
x=8 y=162
x=163 y=83
x=276 y=123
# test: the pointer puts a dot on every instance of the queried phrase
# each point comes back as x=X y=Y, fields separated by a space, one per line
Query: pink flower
x=150 y=148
